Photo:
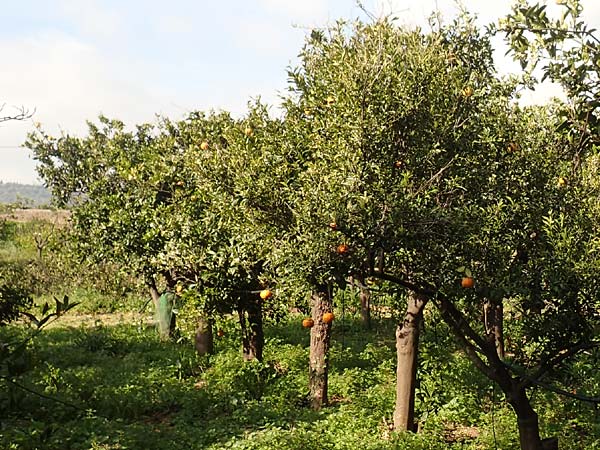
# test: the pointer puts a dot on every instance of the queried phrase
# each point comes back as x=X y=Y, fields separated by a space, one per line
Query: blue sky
x=71 y=60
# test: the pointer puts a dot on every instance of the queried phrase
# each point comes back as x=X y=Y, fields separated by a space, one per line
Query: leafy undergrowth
x=119 y=387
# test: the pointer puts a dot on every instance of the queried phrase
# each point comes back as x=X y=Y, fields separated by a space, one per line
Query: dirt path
x=71 y=320
x=58 y=217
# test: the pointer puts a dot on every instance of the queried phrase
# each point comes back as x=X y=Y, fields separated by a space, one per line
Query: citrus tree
x=371 y=109
x=430 y=172
x=564 y=49
x=218 y=236
x=118 y=202
x=172 y=203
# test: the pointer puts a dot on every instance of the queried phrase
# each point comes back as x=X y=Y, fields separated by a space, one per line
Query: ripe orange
x=308 y=323
x=204 y=145
x=333 y=226
x=266 y=294
x=467 y=282
x=328 y=317
x=342 y=249
x=467 y=92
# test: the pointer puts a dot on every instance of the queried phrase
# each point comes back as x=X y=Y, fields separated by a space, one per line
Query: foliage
x=567 y=49
x=12 y=301
x=159 y=395
x=400 y=155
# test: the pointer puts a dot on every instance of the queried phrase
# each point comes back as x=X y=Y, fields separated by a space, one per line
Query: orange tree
x=413 y=147
x=117 y=203
x=218 y=227
x=171 y=201
x=383 y=116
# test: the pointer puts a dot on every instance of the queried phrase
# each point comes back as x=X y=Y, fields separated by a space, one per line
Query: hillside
x=26 y=194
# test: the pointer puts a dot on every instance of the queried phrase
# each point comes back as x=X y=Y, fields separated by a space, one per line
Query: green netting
x=164 y=313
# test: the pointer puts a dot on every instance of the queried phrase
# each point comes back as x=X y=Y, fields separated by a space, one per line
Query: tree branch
x=21 y=114
x=549 y=363
x=559 y=391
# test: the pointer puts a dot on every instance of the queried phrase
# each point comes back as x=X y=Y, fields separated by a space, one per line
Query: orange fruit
x=220 y=333
x=467 y=92
x=266 y=294
x=328 y=317
x=333 y=226
x=308 y=323
x=204 y=145
x=467 y=282
x=342 y=249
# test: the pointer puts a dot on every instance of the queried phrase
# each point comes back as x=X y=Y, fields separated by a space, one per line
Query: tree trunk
x=407 y=348
x=513 y=388
x=365 y=303
x=527 y=419
x=320 y=335
x=493 y=312
x=253 y=338
x=203 y=338
x=255 y=342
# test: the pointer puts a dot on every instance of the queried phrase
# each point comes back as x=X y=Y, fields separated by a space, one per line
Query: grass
x=122 y=388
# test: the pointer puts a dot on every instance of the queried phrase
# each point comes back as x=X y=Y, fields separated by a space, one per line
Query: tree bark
x=513 y=388
x=493 y=312
x=203 y=338
x=253 y=338
x=527 y=419
x=407 y=348
x=365 y=303
x=255 y=342
x=320 y=336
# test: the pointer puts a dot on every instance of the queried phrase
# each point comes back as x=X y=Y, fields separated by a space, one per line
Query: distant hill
x=24 y=194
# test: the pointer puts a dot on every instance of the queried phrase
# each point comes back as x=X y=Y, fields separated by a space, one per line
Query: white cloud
x=67 y=83
x=91 y=17
x=130 y=63
x=302 y=10
x=172 y=24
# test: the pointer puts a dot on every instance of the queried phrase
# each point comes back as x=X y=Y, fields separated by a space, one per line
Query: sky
x=69 y=61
